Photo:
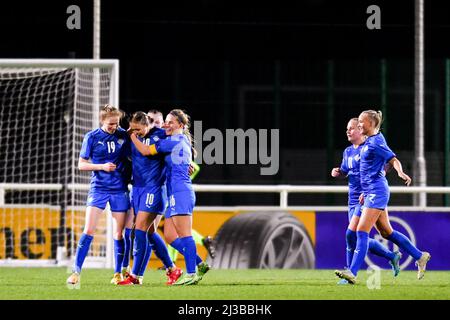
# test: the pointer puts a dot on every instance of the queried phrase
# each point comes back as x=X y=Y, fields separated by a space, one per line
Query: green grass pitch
x=49 y=284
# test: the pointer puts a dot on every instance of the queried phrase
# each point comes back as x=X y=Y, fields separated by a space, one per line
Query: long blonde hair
x=184 y=119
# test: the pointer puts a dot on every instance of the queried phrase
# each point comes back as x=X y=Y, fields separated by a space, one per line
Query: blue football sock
x=190 y=253
x=126 y=254
x=160 y=249
x=147 y=255
x=178 y=245
x=82 y=251
x=350 y=239
x=404 y=243
x=119 y=249
x=376 y=247
x=139 y=250
x=362 y=245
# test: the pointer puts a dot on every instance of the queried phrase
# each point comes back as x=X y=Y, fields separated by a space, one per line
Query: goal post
x=46 y=108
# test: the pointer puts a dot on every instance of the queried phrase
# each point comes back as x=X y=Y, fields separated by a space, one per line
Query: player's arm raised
x=143 y=148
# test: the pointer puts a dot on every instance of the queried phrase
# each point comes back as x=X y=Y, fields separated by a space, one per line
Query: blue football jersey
x=350 y=167
x=101 y=147
x=177 y=150
x=148 y=170
x=374 y=156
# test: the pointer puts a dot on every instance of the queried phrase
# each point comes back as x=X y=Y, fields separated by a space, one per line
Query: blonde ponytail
x=184 y=119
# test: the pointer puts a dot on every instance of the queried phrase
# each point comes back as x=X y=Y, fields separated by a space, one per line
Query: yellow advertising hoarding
x=28 y=233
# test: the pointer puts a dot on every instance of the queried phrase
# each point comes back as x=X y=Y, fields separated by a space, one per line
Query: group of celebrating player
x=159 y=161
x=365 y=163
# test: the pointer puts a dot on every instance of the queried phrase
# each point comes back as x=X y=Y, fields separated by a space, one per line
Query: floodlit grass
x=50 y=284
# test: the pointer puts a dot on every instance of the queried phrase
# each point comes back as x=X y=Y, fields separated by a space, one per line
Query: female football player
x=149 y=175
x=177 y=150
x=350 y=168
x=375 y=155
x=104 y=152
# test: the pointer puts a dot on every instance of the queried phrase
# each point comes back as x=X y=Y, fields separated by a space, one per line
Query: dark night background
x=316 y=61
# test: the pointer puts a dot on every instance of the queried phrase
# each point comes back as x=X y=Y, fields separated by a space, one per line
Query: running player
x=350 y=168
x=375 y=155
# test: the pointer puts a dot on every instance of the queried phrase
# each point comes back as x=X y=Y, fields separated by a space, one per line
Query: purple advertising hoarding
x=429 y=231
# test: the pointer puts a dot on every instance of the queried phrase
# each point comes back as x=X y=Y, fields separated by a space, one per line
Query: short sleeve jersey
x=374 y=156
x=148 y=170
x=101 y=147
x=350 y=167
x=177 y=150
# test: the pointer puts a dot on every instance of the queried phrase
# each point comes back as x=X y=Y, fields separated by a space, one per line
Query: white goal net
x=46 y=108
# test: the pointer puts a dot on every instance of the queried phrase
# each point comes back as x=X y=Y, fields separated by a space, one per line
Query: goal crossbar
x=58 y=63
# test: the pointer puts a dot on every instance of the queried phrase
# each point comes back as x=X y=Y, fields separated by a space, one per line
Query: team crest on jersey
x=365 y=148
x=155 y=138
x=120 y=141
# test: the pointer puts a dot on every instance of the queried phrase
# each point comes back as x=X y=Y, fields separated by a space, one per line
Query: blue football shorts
x=377 y=199
x=118 y=201
x=147 y=199
x=354 y=210
x=181 y=203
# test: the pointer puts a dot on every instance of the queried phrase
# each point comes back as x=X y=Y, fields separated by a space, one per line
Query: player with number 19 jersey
x=102 y=147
